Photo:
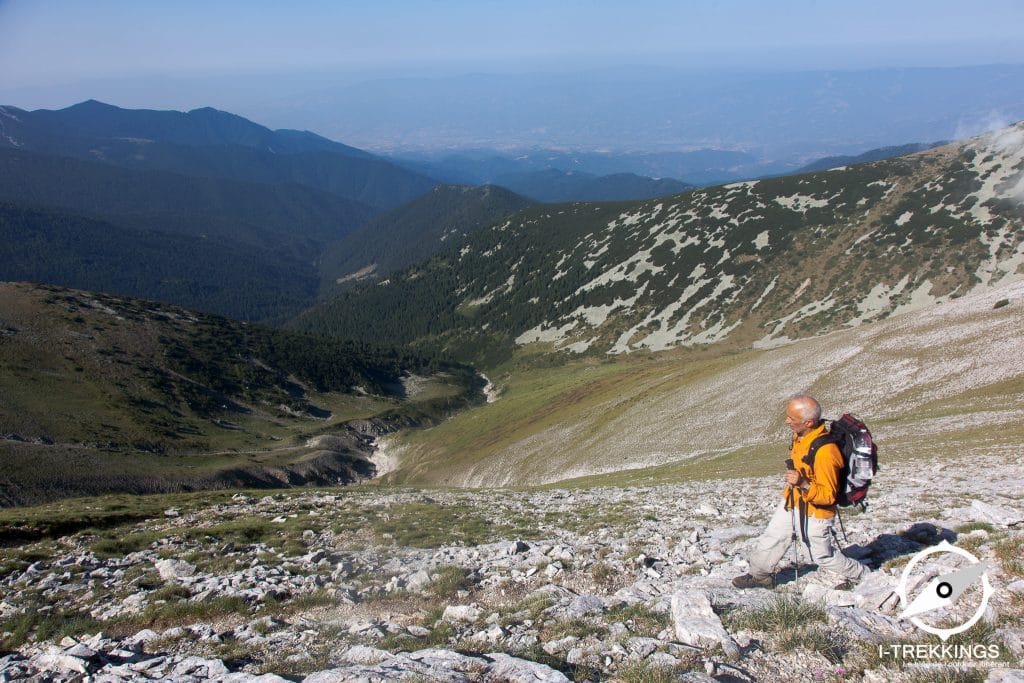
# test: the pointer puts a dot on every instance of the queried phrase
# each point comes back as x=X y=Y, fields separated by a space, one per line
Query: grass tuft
x=819 y=638
x=447 y=580
x=37 y=626
x=1009 y=552
x=644 y=672
x=781 y=611
x=641 y=619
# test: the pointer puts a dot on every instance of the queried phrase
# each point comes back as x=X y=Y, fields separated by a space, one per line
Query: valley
x=103 y=394
x=942 y=375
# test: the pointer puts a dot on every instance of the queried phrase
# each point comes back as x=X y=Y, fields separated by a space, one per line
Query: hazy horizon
x=310 y=65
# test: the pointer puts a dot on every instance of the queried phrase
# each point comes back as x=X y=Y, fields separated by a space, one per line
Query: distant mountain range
x=870 y=155
x=557 y=186
x=203 y=209
x=250 y=219
x=556 y=176
x=210 y=143
x=757 y=262
x=294 y=220
x=560 y=176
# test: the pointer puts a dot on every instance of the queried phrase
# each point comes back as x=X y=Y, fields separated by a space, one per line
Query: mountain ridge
x=415 y=231
x=198 y=127
x=211 y=143
x=556 y=186
x=719 y=264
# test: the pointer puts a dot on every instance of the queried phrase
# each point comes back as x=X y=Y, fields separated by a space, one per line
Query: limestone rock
x=585 y=604
x=170 y=570
x=870 y=627
x=460 y=613
x=697 y=624
x=514 y=670
x=996 y=514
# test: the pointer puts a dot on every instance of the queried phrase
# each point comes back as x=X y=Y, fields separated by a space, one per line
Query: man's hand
x=794 y=478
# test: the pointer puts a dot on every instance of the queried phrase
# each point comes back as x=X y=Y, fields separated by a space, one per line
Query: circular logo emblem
x=942 y=593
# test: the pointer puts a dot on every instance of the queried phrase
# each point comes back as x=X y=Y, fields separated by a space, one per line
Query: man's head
x=803 y=413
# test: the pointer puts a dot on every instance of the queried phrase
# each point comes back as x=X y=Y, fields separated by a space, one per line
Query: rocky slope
x=600 y=584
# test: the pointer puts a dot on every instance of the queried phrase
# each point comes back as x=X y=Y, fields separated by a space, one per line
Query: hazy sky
x=43 y=42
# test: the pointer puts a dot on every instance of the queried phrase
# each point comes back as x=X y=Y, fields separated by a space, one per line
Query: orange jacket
x=821 y=496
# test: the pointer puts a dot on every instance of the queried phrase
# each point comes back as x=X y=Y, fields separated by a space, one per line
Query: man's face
x=795 y=420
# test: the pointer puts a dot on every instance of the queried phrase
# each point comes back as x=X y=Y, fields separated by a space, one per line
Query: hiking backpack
x=860 y=458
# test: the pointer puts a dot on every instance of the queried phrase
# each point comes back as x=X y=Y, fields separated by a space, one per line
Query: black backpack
x=860 y=458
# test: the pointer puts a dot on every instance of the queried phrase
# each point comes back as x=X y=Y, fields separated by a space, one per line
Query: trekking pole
x=794 y=541
x=840 y=518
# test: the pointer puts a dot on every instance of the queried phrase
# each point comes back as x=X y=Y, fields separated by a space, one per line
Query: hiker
x=808 y=508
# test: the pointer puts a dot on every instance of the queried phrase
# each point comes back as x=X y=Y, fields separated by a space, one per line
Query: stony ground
x=366 y=584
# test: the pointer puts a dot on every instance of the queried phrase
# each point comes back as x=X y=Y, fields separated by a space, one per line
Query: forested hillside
x=292 y=219
x=415 y=231
x=105 y=393
x=208 y=273
x=749 y=263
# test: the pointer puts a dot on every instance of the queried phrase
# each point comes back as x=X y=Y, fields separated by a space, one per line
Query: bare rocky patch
x=589 y=584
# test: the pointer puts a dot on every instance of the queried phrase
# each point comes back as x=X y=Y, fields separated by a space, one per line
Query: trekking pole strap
x=803 y=523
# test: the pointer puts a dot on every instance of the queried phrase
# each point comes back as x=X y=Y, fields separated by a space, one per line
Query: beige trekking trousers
x=776 y=540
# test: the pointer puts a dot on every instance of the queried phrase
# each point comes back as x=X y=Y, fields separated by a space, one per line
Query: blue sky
x=44 y=42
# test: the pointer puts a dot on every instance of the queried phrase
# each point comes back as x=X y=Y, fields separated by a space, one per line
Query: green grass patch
x=779 y=612
x=584 y=519
x=579 y=627
x=645 y=672
x=53 y=520
x=170 y=593
x=19 y=559
x=303 y=602
x=178 y=613
x=447 y=580
x=431 y=525
x=602 y=573
x=528 y=608
x=641 y=619
x=820 y=638
x=440 y=636
x=113 y=544
x=37 y=625
x=1010 y=553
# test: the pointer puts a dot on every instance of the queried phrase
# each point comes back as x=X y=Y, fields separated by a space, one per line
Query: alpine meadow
x=532 y=343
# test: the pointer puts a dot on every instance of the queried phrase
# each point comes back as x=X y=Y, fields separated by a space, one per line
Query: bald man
x=808 y=506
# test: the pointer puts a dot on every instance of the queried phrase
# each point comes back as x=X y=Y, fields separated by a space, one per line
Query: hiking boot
x=749 y=581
